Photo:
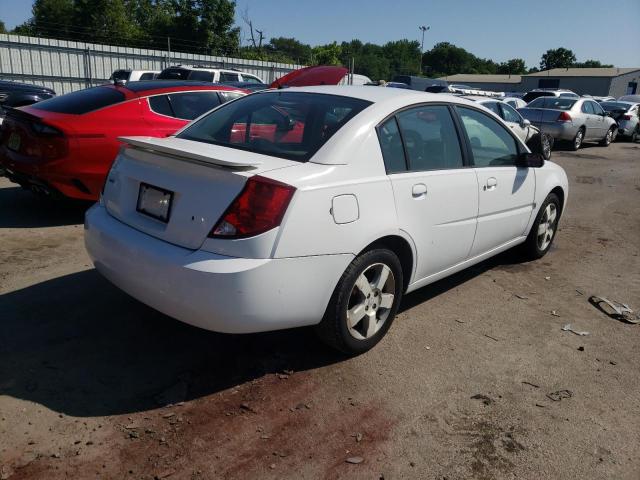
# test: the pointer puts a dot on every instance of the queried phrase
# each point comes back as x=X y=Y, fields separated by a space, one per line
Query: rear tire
x=576 y=143
x=608 y=138
x=364 y=303
x=544 y=229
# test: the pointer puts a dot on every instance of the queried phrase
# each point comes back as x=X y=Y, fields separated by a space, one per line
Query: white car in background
x=127 y=75
x=201 y=73
x=318 y=206
x=522 y=127
x=514 y=102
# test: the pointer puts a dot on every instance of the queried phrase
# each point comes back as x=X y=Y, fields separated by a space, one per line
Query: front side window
x=291 y=125
x=491 y=144
x=509 y=114
x=250 y=79
x=597 y=109
x=391 y=146
x=430 y=138
x=493 y=106
x=174 y=73
x=147 y=76
x=587 y=108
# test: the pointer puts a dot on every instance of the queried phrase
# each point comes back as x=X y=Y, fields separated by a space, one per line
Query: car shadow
x=82 y=347
x=20 y=208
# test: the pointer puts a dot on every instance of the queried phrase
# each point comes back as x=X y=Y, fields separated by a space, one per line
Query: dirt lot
x=95 y=385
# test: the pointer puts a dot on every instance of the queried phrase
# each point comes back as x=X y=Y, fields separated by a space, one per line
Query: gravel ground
x=94 y=384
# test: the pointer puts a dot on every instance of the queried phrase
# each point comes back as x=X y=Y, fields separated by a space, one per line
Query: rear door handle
x=419 y=190
x=492 y=183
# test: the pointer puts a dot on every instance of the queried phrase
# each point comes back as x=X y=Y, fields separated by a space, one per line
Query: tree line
x=208 y=27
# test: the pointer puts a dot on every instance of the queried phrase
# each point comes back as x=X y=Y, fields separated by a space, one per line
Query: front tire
x=544 y=228
x=364 y=303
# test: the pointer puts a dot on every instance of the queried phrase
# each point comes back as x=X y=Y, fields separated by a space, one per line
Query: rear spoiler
x=196 y=152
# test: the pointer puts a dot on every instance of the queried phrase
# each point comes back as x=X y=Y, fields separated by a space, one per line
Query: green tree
x=557 y=58
x=404 y=57
x=447 y=59
x=328 y=54
x=515 y=66
x=3 y=29
x=289 y=48
x=591 y=64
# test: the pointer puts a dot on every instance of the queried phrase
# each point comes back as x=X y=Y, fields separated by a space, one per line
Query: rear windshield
x=533 y=95
x=174 y=74
x=436 y=88
x=82 y=101
x=553 y=103
x=611 y=106
x=289 y=125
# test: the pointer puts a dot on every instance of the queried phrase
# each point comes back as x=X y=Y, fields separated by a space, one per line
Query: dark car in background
x=14 y=94
x=626 y=116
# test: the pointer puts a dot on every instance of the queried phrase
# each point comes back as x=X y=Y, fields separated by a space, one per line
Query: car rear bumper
x=211 y=291
x=558 y=130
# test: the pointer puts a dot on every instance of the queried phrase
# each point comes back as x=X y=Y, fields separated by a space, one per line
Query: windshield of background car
x=120 y=75
x=291 y=125
x=82 y=101
x=611 y=106
x=533 y=95
x=553 y=103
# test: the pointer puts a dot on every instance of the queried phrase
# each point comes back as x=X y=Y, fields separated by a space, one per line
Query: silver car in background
x=626 y=114
x=574 y=120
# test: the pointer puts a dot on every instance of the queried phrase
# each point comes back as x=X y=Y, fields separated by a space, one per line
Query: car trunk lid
x=195 y=181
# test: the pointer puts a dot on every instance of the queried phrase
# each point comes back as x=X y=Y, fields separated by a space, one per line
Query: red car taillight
x=626 y=117
x=258 y=208
x=564 y=117
x=51 y=143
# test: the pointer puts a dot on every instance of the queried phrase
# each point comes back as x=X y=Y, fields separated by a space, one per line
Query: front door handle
x=492 y=183
x=419 y=190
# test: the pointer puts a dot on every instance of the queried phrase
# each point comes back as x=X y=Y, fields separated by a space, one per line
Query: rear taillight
x=564 y=117
x=51 y=142
x=626 y=117
x=258 y=208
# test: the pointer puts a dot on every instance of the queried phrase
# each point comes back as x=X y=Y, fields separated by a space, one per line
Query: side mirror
x=525 y=123
x=530 y=160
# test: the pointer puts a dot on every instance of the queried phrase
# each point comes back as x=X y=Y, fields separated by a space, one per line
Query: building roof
x=584 y=72
x=481 y=77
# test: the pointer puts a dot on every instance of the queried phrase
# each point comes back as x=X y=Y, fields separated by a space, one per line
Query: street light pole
x=424 y=29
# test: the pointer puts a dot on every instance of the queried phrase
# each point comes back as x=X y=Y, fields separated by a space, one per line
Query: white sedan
x=318 y=206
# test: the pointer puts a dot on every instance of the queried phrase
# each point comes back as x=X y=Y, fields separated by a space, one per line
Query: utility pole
x=168 y=51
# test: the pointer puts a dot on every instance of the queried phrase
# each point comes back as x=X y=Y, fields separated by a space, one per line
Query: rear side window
x=82 y=101
x=147 y=76
x=430 y=138
x=229 y=77
x=160 y=104
x=491 y=144
x=391 y=146
x=120 y=75
x=291 y=125
x=174 y=74
x=201 y=76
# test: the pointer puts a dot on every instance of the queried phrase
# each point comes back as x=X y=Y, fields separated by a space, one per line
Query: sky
x=496 y=29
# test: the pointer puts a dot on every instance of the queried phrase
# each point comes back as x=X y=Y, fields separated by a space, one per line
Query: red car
x=67 y=144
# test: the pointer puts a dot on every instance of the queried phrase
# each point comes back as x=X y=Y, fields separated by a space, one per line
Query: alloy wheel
x=370 y=301
x=546 y=227
x=578 y=140
x=546 y=147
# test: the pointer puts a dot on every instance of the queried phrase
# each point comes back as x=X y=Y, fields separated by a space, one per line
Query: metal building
x=613 y=82
x=494 y=83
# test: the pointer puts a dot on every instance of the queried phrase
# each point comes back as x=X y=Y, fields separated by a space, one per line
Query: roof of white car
x=377 y=94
